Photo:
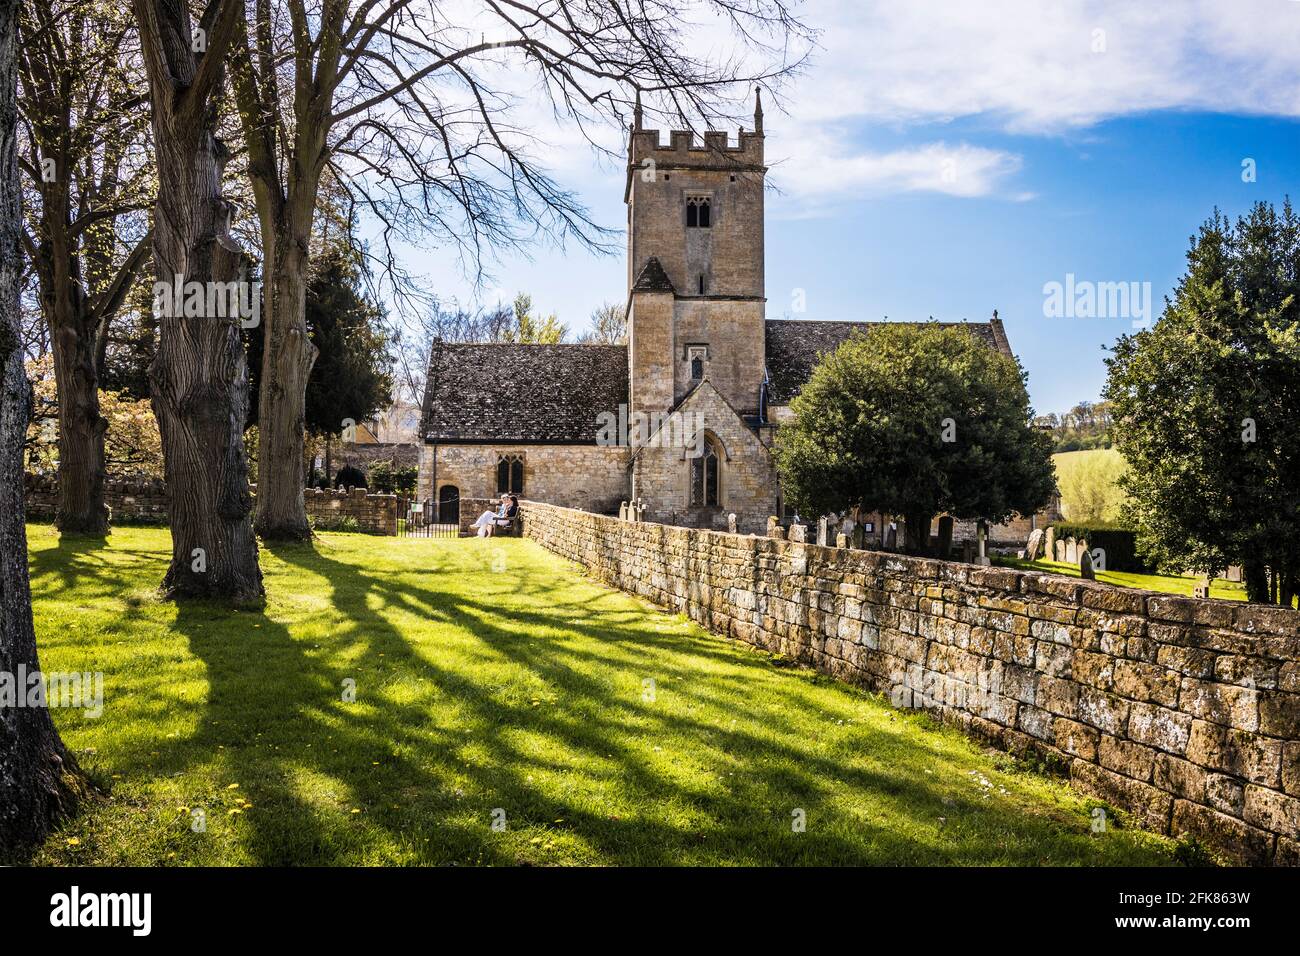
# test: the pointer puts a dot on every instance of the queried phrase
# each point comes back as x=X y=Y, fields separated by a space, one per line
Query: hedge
x=1120 y=545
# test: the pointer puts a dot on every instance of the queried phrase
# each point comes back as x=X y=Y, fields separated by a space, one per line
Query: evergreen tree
x=1205 y=408
x=915 y=420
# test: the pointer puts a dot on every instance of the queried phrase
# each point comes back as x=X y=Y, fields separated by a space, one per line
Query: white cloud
x=821 y=169
x=1034 y=65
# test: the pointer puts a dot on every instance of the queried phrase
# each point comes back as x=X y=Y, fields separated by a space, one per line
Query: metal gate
x=418 y=520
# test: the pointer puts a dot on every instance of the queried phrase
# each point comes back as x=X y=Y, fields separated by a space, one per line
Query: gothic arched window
x=510 y=474
x=704 y=476
x=699 y=212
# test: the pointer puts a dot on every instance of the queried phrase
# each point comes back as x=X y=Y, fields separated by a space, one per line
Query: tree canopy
x=1205 y=407
x=915 y=420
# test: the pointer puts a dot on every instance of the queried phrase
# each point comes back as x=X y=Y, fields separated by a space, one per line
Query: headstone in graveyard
x=1034 y=549
x=1085 y=565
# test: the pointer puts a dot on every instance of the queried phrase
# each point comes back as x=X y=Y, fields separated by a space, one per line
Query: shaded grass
x=494 y=682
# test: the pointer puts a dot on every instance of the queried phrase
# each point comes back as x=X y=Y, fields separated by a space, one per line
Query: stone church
x=683 y=416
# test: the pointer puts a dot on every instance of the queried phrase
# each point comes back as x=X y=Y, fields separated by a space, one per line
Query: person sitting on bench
x=503 y=517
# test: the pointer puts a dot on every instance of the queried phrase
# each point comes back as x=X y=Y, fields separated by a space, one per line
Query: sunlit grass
x=494 y=683
x=1168 y=583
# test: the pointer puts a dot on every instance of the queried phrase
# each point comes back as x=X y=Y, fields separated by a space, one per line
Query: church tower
x=695 y=266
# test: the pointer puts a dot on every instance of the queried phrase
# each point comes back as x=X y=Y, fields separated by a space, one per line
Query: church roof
x=530 y=394
x=653 y=278
x=794 y=347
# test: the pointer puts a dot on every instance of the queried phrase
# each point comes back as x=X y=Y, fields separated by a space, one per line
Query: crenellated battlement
x=686 y=148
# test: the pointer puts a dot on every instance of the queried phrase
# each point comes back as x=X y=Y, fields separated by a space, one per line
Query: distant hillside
x=1089 y=485
x=1083 y=427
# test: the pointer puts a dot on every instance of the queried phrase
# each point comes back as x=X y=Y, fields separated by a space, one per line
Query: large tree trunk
x=1255 y=577
x=73 y=338
x=39 y=780
x=199 y=376
x=287 y=360
x=81 y=427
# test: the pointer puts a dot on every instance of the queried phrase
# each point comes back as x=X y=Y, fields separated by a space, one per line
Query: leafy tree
x=608 y=325
x=915 y=420
x=388 y=479
x=350 y=476
x=1086 y=425
x=1089 y=486
x=1205 y=408
x=530 y=329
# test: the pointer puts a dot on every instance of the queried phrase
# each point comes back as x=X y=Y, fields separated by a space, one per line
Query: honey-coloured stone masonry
x=1184 y=712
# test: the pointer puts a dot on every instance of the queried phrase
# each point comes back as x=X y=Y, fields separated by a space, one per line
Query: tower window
x=698 y=212
x=701 y=283
x=510 y=474
x=704 y=477
x=697 y=354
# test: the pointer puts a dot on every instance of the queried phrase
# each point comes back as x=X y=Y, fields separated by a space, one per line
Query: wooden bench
x=515 y=529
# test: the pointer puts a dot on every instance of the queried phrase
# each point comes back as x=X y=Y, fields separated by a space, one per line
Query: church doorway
x=449 y=505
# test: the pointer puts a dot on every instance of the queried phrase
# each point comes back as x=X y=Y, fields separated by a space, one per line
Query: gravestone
x=982 y=536
x=798 y=533
x=1049 y=544
x=1085 y=565
x=945 y=536
x=731 y=523
x=841 y=540
x=1202 y=587
x=1034 y=549
x=622 y=511
x=1071 y=551
x=774 y=527
x=1059 y=554
x=823 y=530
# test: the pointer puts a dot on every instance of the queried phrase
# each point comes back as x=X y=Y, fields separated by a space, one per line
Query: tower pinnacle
x=758 y=109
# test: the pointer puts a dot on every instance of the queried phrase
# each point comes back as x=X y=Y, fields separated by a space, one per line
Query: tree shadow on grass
x=77 y=560
x=780 y=768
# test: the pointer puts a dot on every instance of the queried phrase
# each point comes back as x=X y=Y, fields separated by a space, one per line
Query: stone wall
x=592 y=477
x=145 y=501
x=1186 y=713
x=373 y=514
x=132 y=501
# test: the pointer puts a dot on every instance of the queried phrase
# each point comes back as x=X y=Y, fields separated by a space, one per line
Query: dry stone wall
x=1184 y=712
x=138 y=500
x=145 y=501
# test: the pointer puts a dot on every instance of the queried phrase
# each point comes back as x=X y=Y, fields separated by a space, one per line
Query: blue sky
x=944 y=161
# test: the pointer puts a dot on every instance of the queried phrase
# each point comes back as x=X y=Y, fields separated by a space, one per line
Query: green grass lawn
x=1168 y=583
x=490 y=676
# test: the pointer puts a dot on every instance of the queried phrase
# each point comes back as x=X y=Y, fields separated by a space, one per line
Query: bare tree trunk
x=1255 y=577
x=39 y=780
x=81 y=427
x=199 y=376
x=287 y=360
